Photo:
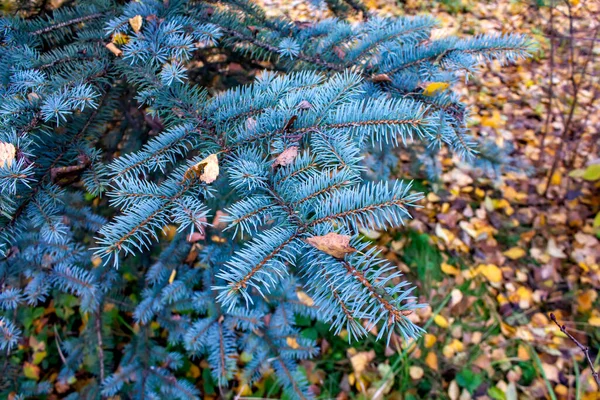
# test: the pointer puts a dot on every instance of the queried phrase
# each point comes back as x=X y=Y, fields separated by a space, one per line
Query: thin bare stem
x=584 y=349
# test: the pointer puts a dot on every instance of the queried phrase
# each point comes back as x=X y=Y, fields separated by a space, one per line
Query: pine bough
x=350 y=91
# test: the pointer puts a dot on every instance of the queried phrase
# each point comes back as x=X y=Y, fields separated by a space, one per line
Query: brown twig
x=585 y=349
x=550 y=90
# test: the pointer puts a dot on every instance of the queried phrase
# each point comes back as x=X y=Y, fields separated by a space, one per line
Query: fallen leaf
x=429 y=340
x=381 y=78
x=136 y=23
x=360 y=361
x=449 y=269
x=594 y=321
x=207 y=170
x=433 y=88
x=304 y=298
x=491 y=272
x=431 y=360
x=554 y=250
x=592 y=173
x=114 y=49
x=495 y=121
x=416 y=372
x=120 y=38
x=441 y=321
x=7 y=154
x=292 y=342
x=286 y=157
x=514 y=253
x=453 y=390
x=334 y=244
x=193 y=371
x=551 y=372
x=31 y=371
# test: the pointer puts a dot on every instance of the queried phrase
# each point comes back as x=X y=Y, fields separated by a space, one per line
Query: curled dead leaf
x=286 y=157
x=381 y=78
x=136 y=23
x=334 y=244
x=7 y=154
x=114 y=49
x=206 y=170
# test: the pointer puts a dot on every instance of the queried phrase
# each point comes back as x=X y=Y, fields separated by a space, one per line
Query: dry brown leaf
x=360 y=361
x=334 y=244
x=206 y=170
x=136 y=23
x=381 y=78
x=114 y=49
x=286 y=157
x=304 y=298
x=7 y=154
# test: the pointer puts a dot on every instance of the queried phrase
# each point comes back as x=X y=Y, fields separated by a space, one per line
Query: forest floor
x=494 y=257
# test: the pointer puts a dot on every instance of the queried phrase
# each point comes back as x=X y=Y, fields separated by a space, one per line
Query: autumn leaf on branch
x=334 y=244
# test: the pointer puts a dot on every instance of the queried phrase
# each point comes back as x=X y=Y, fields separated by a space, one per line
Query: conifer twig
x=584 y=349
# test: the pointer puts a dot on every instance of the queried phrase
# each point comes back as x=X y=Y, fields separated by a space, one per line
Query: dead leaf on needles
x=286 y=157
x=206 y=170
x=136 y=23
x=7 y=154
x=334 y=244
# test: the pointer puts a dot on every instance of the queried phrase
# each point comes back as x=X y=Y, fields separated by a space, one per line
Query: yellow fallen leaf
x=206 y=170
x=38 y=357
x=334 y=244
x=594 y=321
x=457 y=345
x=193 y=371
x=120 y=38
x=514 y=253
x=592 y=173
x=433 y=88
x=448 y=351
x=522 y=353
x=449 y=269
x=429 y=340
x=360 y=361
x=491 y=272
x=136 y=23
x=96 y=261
x=304 y=298
x=292 y=342
x=559 y=389
x=416 y=372
x=432 y=360
x=495 y=121
x=172 y=277
x=31 y=371
x=7 y=154
x=586 y=299
x=441 y=321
